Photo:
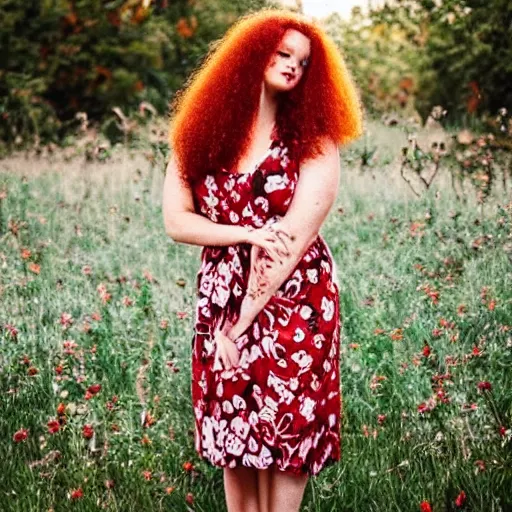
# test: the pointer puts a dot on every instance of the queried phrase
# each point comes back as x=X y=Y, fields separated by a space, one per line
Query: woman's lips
x=288 y=76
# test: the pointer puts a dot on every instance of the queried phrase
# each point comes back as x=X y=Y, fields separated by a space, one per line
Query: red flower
x=381 y=418
x=32 y=371
x=94 y=389
x=502 y=430
x=61 y=409
x=147 y=475
x=460 y=499
x=13 y=332
x=425 y=506
x=189 y=498
x=53 y=426
x=66 y=320
x=76 y=494
x=59 y=369
x=88 y=431
x=20 y=435
x=484 y=385
x=188 y=466
x=426 y=350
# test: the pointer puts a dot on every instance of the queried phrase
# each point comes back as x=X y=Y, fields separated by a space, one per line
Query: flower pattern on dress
x=282 y=404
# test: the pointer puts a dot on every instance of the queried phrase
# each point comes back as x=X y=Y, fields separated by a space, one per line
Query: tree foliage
x=60 y=57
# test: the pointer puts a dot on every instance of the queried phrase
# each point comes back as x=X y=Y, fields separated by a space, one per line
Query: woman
x=254 y=173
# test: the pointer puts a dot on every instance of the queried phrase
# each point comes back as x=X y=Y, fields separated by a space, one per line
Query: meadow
x=96 y=324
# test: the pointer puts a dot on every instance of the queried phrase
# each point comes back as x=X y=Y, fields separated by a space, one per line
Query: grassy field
x=96 y=316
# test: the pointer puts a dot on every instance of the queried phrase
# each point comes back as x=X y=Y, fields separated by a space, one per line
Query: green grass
x=398 y=285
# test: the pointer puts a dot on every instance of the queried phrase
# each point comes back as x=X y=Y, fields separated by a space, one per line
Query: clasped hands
x=276 y=244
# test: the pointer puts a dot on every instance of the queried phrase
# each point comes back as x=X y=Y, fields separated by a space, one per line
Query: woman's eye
x=283 y=54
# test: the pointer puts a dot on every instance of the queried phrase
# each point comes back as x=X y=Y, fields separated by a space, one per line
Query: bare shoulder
x=326 y=165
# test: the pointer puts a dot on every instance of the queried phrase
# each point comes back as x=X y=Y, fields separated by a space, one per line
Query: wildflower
x=147 y=475
x=181 y=314
x=34 y=268
x=188 y=466
x=25 y=253
x=437 y=332
x=396 y=334
x=94 y=388
x=481 y=465
x=88 y=431
x=20 y=435
x=53 y=426
x=86 y=270
x=381 y=418
x=460 y=499
x=61 y=409
x=109 y=484
x=189 y=498
x=484 y=385
x=32 y=371
x=66 y=320
x=164 y=324
x=169 y=490
x=426 y=350
x=425 y=506
x=11 y=330
x=76 y=494
x=127 y=301
x=378 y=331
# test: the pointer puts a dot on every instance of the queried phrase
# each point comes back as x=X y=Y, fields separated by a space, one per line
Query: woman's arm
x=181 y=222
x=316 y=192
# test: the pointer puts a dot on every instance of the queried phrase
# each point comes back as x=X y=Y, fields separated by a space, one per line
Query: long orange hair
x=212 y=116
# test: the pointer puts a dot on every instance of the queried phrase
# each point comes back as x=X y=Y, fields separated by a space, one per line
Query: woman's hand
x=273 y=241
x=226 y=351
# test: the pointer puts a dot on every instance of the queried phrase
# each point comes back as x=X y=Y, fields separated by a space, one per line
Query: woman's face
x=288 y=62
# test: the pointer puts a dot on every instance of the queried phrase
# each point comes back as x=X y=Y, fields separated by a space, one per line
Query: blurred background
x=70 y=66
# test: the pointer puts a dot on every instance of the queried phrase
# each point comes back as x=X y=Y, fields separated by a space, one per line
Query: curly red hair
x=213 y=114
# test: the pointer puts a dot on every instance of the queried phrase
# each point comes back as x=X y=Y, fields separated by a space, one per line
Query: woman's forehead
x=295 y=40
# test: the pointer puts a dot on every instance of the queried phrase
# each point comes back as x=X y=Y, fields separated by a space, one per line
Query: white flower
x=327 y=308
x=299 y=335
x=234 y=445
x=307 y=407
x=221 y=293
x=312 y=274
x=227 y=407
x=275 y=182
x=303 y=359
x=240 y=427
x=318 y=340
x=305 y=312
x=239 y=402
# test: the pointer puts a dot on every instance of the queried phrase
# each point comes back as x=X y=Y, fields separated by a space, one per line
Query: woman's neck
x=267 y=109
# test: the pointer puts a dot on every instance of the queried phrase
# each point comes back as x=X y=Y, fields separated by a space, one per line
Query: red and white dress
x=282 y=404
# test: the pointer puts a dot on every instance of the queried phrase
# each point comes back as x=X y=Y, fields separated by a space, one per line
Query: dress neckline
x=274 y=137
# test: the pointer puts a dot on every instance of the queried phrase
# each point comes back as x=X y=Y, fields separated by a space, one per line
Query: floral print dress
x=282 y=404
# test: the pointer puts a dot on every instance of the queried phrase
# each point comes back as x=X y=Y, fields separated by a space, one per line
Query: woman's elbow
x=172 y=228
